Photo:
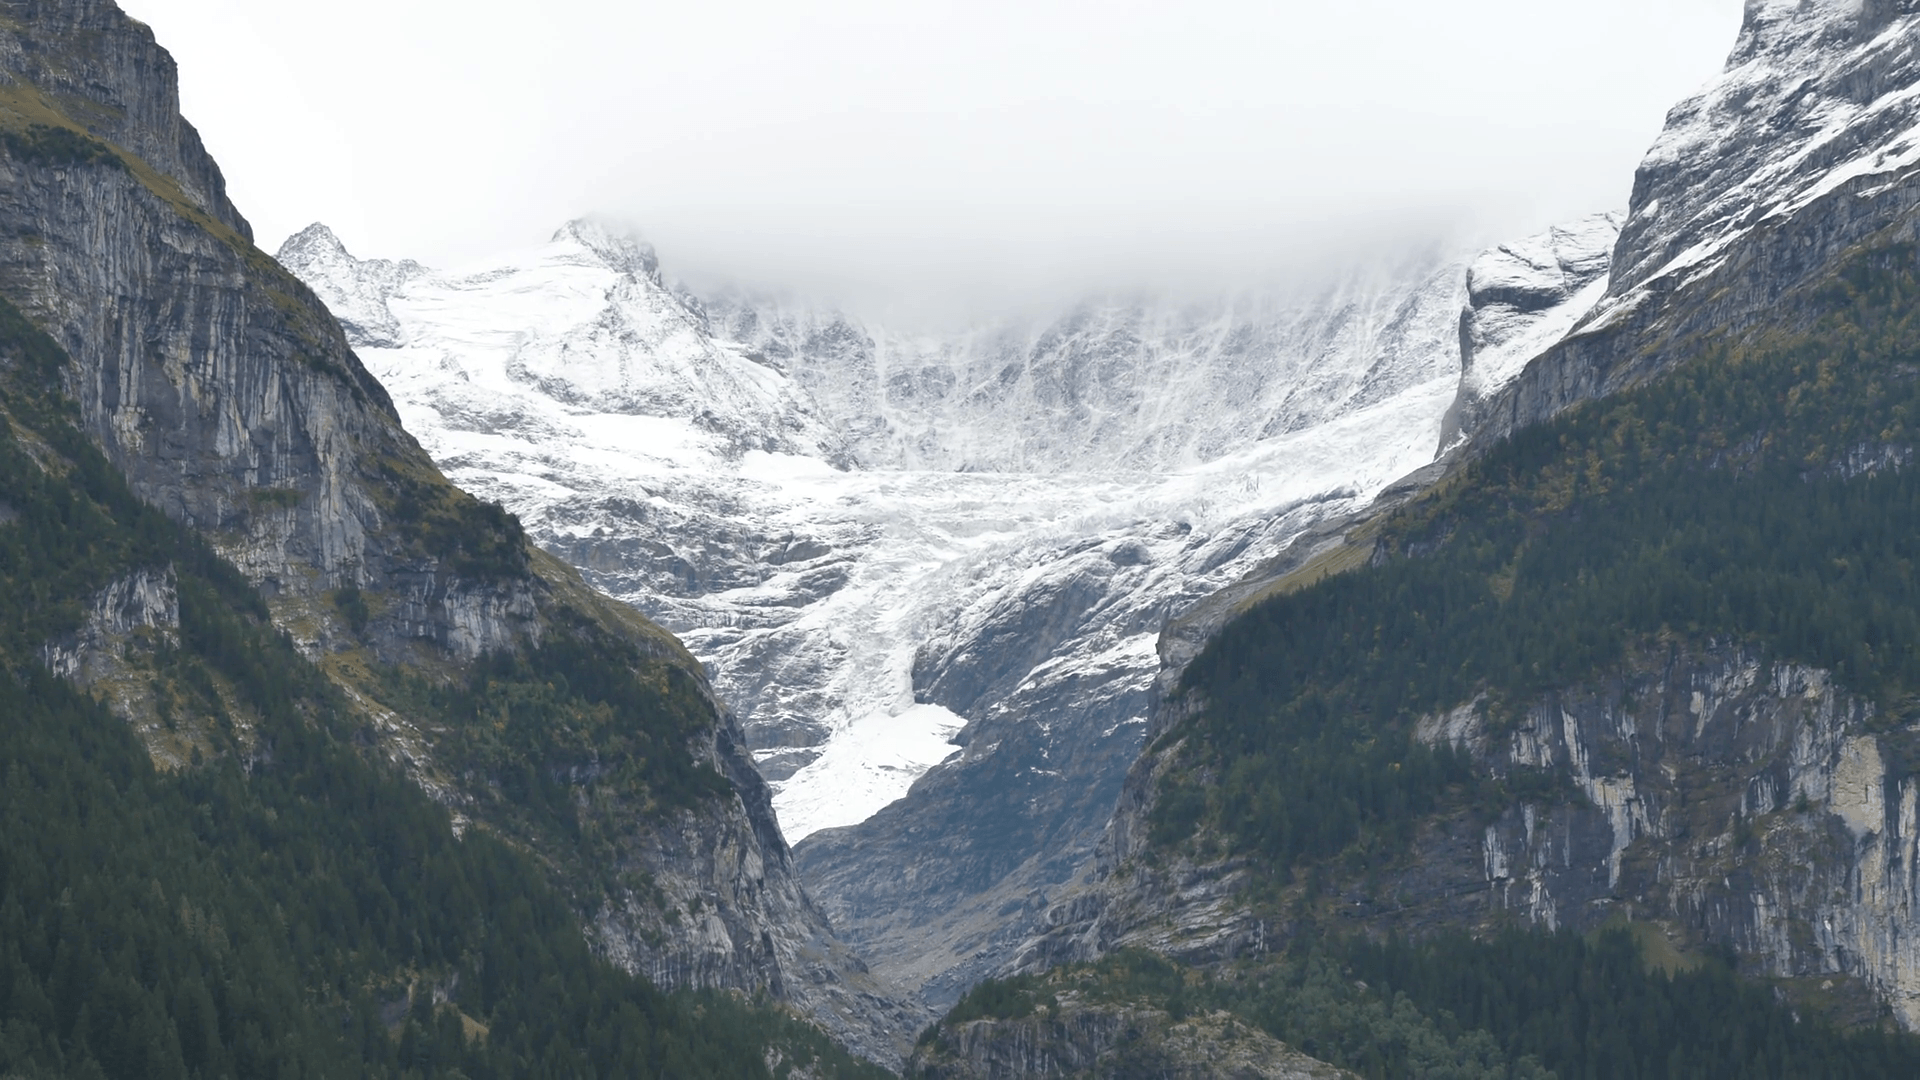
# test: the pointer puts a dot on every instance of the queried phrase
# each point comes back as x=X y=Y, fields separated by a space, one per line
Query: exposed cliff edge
x=1724 y=799
x=1522 y=299
x=1721 y=795
x=1082 y=1039
x=1805 y=149
x=229 y=397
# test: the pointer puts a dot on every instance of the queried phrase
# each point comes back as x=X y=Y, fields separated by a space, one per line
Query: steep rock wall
x=1727 y=799
x=1805 y=148
x=228 y=396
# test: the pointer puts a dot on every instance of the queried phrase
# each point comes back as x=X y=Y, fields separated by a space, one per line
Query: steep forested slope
x=1645 y=655
x=1757 y=495
x=224 y=396
x=1519 y=1006
x=1616 y=727
x=283 y=903
x=1651 y=660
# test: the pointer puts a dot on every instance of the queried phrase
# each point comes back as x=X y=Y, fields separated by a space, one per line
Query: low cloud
x=993 y=151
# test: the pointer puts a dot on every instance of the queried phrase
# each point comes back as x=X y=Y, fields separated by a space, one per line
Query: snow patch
x=836 y=518
x=870 y=764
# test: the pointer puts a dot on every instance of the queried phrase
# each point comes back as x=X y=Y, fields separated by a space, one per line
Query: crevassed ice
x=818 y=506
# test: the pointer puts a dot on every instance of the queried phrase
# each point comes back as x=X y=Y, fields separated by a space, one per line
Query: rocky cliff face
x=1805 y=148
x=1522 y=299
x=1079 y=1038
x=230 y=398
x=784 y=489
x=1720 y=797
x=86 y=57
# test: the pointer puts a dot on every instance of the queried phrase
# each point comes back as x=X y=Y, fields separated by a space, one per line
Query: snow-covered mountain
x=1792 y=179
x=1805 y=147
x=884 y=544
x=1111 y=386
x=1817 y=95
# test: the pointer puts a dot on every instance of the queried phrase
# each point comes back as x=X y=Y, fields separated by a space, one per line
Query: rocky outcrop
x=722 y=908
x=858 y=618
x=1730 y=799
x=1522 y=299
x=229 y=397
x=1803 y=150
x=1080 y=1038
x=355 y=290
x=86 y=59
x=144 y=602
x=1722 y=798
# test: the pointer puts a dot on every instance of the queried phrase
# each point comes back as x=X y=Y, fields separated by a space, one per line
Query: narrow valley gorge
x=1481 y=664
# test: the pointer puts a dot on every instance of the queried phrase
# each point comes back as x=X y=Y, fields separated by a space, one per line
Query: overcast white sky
x=934 y=145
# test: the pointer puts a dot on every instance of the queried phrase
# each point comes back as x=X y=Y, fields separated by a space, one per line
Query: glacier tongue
x=923 y=565
x=826 y=512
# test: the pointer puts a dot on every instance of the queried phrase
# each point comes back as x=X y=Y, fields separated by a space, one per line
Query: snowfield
x=871 y=538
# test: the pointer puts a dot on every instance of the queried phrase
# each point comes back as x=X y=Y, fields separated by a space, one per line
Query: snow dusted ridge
x=1116 y=386
x=355 y=290
x=855 y=528
x=1523 y=298
x=1817 y=94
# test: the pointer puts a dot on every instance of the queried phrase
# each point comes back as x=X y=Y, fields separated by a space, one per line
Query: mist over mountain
x=1075 y=539
x=861 y=154
x=929 y=569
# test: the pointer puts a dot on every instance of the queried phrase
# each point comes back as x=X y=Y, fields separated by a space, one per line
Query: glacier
x=929 y=569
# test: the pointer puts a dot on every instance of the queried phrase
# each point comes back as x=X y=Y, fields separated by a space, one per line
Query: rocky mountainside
x=1805 y=149
x=229 y=397
x=1699 y=764
x=1083 y=1039
x=928 y=572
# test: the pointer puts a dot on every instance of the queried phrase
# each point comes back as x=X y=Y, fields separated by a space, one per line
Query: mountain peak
x=316 y=240
x=621 y=250
x=1816 y=95
x=1764 y=16
x=355 y=290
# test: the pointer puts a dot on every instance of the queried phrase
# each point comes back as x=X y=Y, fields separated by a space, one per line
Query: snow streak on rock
x=1817 y=94
x=1523 y=298
x=870 y=536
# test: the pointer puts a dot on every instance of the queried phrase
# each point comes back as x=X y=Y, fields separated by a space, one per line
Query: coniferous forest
x=1519 y=1006
x=286 y=906
x=1755 y=494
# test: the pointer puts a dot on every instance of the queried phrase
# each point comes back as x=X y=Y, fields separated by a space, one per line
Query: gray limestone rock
x=1802 y=150
x=1083 y=1039
x=227 y=394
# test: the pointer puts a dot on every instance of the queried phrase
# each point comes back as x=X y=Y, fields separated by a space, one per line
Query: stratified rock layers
x=230 y=398
x=1723 y=796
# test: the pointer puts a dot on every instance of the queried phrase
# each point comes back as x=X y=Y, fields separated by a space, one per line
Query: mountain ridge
x=1766 y=260
x=797 y=579
x=228 y=397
